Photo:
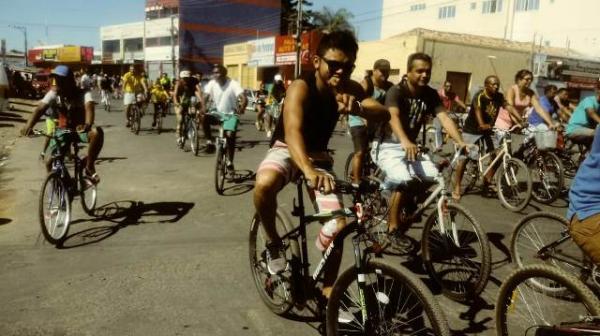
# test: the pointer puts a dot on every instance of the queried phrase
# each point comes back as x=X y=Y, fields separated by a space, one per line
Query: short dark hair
x=549 y=88
x=343 y=40
x=522 y=73
x=488 y=78
x=417 y=56
x=221 y=68
x=561 y=90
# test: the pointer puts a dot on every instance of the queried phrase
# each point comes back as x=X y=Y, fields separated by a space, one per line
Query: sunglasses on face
x=334 y=66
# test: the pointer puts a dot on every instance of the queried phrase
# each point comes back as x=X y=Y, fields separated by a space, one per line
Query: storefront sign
x=262 y=52
x=49 y=54
x=285 y=48
x=69 y=54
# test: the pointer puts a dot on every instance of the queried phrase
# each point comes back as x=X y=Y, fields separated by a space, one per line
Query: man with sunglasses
x=410 y=103
x=311 y=110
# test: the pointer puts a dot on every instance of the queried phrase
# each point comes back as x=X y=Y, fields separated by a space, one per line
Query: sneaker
x=180 y=142
x=276 y=262
x=269 y=133
x=230 y=166
x=42 y=156
x=399 y=240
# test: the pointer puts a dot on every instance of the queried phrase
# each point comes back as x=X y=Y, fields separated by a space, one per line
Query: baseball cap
x=185 y=74
x=61 y=70
x=382 y=64
x=278 y=78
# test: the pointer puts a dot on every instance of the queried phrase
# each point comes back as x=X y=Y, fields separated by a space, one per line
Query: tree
x=289 y=16
x=327 y=20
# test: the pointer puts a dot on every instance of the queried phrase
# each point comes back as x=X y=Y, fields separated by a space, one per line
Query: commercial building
x=552 y=23
x=49 y=55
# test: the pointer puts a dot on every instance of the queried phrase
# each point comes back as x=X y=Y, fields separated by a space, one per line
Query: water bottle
x=327 y=234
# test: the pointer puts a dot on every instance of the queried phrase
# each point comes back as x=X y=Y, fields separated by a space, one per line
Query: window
x=473 y=5
x=527 y=5
x=491 y=6
x=447 y=12
x=111 y=46
x=134 y=44
x=160 y=41
x=417 y=7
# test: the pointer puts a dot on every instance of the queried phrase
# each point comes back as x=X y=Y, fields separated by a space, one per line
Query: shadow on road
x=495 y=239
x=109 y=159
x=4 y=221
x=123 y=214
x=242 y=183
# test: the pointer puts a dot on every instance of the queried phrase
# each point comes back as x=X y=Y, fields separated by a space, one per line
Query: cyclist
x=261 y=101
x=584 y=203
x=484 y=111
x=410 y=103
x=275 y=99
x=159 y=97
x=586 y=116
x=376 y=85
x=105 y=86
x=75 y=108
x=299 y=143
x=185 y=89
x=225 y=93
x=132 y=85
x=450 y=100
x=565 y=110
x=165 y=82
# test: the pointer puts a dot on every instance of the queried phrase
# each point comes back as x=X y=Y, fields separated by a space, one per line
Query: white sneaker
x=276 y=262
x=269 y=133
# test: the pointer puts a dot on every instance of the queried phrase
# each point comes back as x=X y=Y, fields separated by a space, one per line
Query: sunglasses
x=334 y=66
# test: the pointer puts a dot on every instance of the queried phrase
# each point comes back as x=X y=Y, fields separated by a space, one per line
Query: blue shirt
x=535 y=118
x=584 y=197
x=580 y=118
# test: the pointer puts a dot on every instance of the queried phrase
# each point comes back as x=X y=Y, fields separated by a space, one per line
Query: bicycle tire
x=432 y=258
x=528 y=238
x=547 y=189
x=159 y=121
x=258 y=265
x=413 y=294
x=59 y=190
x=195 y=141
x=510 y=295
x=88 y=193
x=348 y=171
x=220 y=168
x=515 y=165
x=135 y=125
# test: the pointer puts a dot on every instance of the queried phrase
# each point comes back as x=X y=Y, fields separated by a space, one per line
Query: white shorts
x=128 y=98
x=391 y=159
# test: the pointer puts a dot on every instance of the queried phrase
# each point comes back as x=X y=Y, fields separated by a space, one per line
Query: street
x=167 y=255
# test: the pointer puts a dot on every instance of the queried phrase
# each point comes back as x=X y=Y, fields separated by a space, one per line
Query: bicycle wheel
x=137 y=119
x=538 y=230
x=376 y=206
x=348 y=171
x=274 y=290
x=159 y=121
x=522 y=310
x=547 y=177
x=458 y=259
x=396 y=303
x=514 y=184
x=220 y=168
x=54 y=209
x=195 y=139
x=88 y=193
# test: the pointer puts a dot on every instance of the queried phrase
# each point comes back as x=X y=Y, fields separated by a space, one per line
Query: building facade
x=570 y=24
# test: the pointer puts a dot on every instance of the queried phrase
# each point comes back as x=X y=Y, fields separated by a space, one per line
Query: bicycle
x=160 y=115
x=545 y=166
x=365 y=297
x=508 y=179
x=454 y=246
x=222 y=171
x=106 y=100
x=369 y=168
x=136 y=114
x=544 y=237
x=191 y=130
x=60 y=188
x=521 y=307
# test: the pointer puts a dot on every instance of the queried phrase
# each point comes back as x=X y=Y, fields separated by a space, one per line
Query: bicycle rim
x=522 y=308
x=54 y=209
x=393 y=302
x=547 y=177
x=458 y=259
x=538 y=230
x=220 y=169
x=276 y=291
x=514 y=185
x=88 y=194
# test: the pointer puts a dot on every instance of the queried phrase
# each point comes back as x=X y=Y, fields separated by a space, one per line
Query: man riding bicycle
x=75 y=108
x=312 y=108
x=133 y=84
x=225 y=93
x=275 y=99
x=584 y=119
x=186 y=93
x=160 y=99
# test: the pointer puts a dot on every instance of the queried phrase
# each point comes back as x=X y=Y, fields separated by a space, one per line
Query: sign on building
x=285 y=48
x=262 y=52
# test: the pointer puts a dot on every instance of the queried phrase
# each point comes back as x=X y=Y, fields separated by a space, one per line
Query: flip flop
x=456 y=197
x=95 y=178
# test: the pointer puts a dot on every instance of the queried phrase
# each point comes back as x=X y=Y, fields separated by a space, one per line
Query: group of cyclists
x=384 y=118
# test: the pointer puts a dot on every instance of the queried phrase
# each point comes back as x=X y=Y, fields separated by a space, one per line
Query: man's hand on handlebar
x=320 y=180
x=411 y=150
x=485 y=127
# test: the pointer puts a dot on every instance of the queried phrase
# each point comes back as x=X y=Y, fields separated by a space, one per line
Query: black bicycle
x=372 y=297
x=191 y=130
x=60 y=188
x=136 y=114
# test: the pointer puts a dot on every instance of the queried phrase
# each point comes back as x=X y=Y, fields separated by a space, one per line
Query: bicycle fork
x=361 y=279
x=442 y=212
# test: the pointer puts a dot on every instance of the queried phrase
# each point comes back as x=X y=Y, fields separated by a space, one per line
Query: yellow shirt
x=159 y=95
x=132 y=83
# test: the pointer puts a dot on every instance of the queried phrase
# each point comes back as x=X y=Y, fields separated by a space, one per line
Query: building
x=465 y=60
x=552 y=23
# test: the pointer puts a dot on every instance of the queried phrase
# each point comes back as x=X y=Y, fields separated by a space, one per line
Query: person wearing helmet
x=186 y=87
x=132 y=85
x=276 y=101
x=75 y=109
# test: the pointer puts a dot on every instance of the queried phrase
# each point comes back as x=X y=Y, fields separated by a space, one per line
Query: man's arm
x=175 y=100
x=243 y=102
x=200 y=95
x=39 y=110
x=90 y=114
x=479 y=116
x=593 y=114
x=396 y=126
x=460 y=102
x=372 y=110
x=542 y=112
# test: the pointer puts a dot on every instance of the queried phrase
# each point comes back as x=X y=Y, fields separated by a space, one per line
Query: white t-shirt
x=225 y=97
x=53 y=100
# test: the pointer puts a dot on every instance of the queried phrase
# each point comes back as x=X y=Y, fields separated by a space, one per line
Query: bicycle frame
x=545 y=252
x=503 y=153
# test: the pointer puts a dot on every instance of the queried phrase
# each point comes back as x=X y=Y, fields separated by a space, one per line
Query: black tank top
x=320 y=118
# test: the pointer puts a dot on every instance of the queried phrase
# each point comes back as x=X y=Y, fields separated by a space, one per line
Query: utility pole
x=173 y=45
x=23 y=29
x=298 y=67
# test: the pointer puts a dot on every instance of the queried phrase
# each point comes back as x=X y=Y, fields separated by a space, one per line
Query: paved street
x=172 y=257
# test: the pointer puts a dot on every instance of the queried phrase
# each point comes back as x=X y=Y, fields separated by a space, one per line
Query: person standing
x=450 y=101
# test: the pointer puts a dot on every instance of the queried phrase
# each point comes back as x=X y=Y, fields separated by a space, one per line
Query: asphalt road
x=173 y=257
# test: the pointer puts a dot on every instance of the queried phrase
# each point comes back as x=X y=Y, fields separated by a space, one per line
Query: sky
x=78 y=21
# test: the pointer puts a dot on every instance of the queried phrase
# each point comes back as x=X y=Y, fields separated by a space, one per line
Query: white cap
x=278 y=78
x=185 y=74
